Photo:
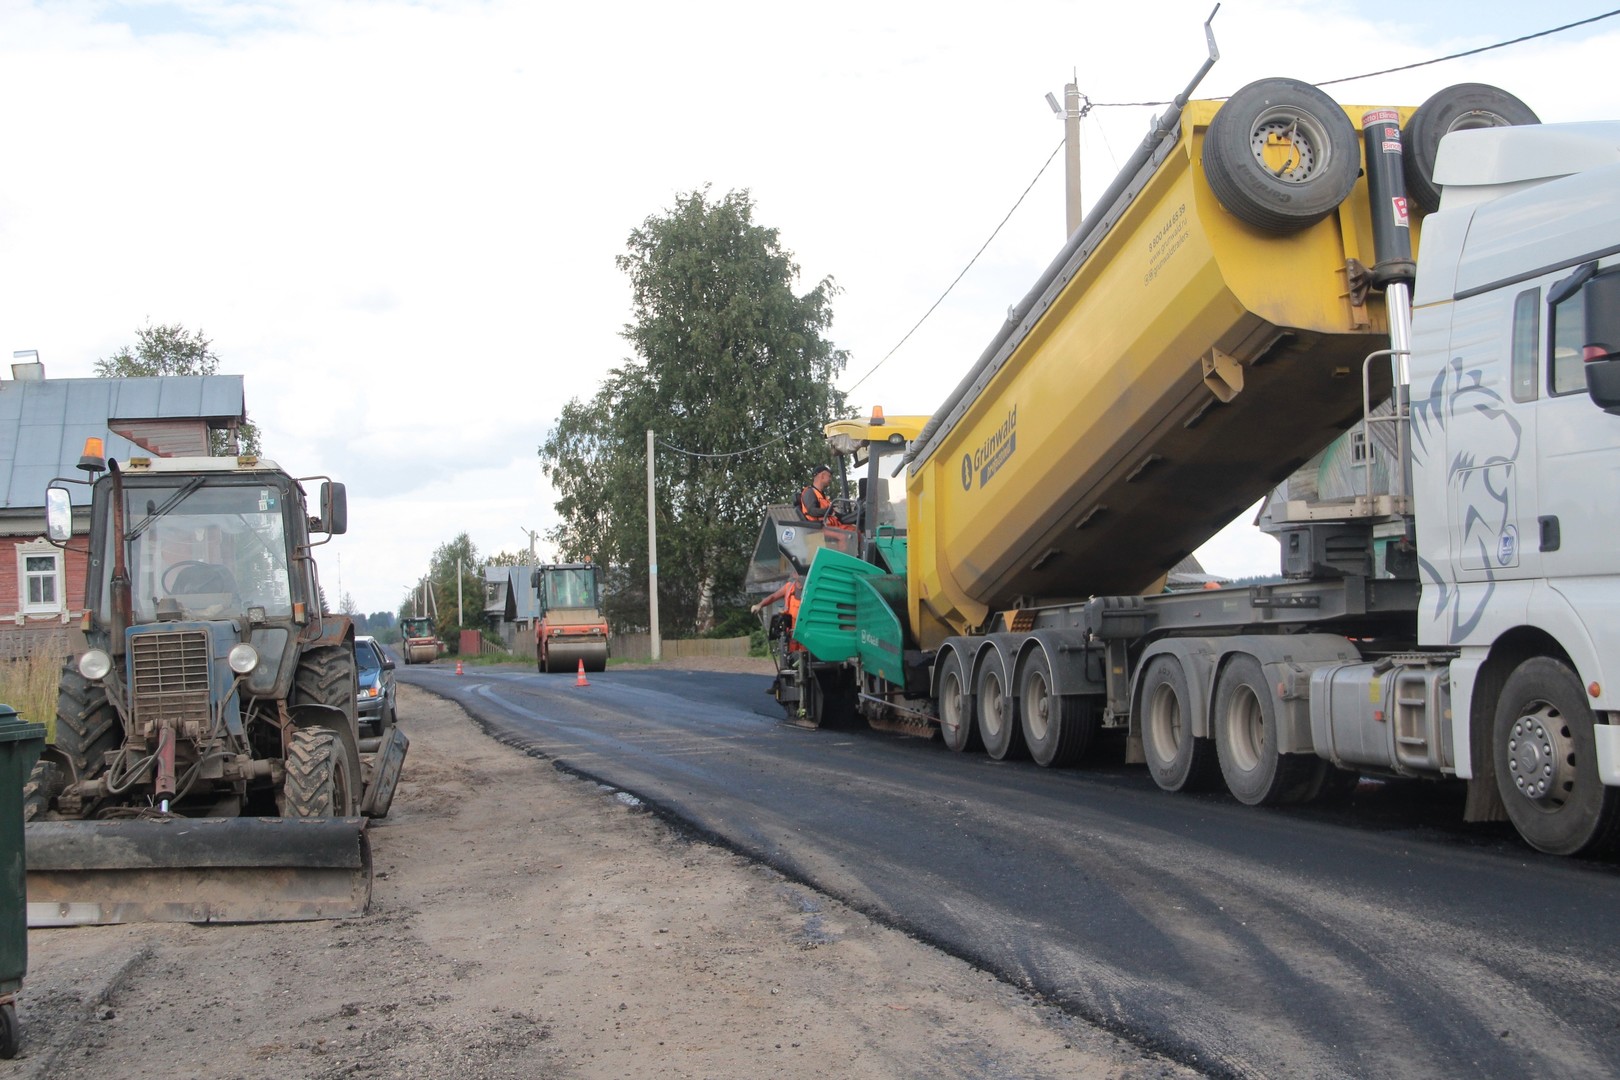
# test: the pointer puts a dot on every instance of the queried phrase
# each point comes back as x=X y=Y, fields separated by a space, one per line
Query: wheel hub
x=1538 y=755
x=1287 y=146
x=1038 y=705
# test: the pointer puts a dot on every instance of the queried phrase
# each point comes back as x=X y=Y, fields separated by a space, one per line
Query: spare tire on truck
x=1456 y=108
x=1281 y=155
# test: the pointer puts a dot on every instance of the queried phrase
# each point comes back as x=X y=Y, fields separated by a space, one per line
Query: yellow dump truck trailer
x=1247 y=292
x=1174 y=370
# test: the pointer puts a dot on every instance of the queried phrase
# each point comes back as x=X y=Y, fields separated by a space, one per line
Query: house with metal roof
x=43 y=427
x=511 y=606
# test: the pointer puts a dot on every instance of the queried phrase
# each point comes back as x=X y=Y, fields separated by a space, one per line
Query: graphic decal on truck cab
x=1469 y=418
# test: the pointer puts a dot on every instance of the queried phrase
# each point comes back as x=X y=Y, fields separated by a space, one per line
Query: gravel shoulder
x=528 y=923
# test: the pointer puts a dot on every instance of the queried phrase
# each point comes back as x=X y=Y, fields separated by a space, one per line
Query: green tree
x=508 y=558
x=734 y=373
x=171 y=349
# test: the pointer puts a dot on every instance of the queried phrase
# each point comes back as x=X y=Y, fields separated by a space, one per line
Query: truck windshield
x=570 y=588
x=217 y=550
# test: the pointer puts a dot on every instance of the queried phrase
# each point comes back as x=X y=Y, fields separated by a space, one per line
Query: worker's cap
x=821 y=469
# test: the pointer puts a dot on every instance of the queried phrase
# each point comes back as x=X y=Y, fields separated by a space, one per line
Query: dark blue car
x=376 y=671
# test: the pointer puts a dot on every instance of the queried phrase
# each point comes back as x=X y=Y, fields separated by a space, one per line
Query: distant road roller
x=418 y=641
x=571 y=628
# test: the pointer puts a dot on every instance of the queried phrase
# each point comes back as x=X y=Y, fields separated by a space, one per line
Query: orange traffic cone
x=458 y=667
x=581 y=681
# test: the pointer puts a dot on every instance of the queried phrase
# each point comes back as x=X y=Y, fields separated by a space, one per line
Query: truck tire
x=87 y=725
x=958 y=729
x=323 y=775
x=1058 y=728
x=1177 y=760
x=1246 y=741
x=998 y=711
x=1546 y=763
x=1456 y=108
x=1281 y=155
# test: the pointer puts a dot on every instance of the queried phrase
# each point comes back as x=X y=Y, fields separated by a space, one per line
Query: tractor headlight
x=94 y=665
x=243 y=658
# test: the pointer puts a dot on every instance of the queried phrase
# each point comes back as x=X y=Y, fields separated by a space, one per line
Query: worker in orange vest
x=814 y=502
x=788 y=594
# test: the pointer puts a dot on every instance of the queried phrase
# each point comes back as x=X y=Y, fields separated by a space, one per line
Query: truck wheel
x=1246 y=741
x=1058 y=728
x=956 y=723
x=998 y=711
x=323 y=775
x=43 y=784
x=1281 y=155
x=87 y=726
x=1456 y=108
x=1546 y=763
x=1177 y=760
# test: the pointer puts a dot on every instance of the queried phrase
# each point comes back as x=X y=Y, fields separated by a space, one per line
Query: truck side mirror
x=334 y=508
x=534 y=579
x=1601 y=299
x=58 y=515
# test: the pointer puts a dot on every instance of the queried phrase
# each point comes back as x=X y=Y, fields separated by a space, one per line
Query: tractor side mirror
x=58 y=515
x=334 y=508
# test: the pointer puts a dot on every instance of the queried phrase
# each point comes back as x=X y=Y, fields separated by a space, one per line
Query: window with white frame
x=39 y=579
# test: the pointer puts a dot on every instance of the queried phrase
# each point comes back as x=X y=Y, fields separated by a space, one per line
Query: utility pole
x=532 y=535
x=1071 y=154
x=1070 y=113
x=652 y=555
x=459 y=620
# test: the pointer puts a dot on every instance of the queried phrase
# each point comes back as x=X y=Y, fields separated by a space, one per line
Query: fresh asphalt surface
x=1377 y=938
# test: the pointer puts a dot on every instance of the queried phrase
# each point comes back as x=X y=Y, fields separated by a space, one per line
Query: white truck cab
x=1516 y=468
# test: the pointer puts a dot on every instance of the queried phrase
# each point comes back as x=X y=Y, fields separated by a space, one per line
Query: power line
x=1089 y=105
x=784 y=437
x=996 y=232
x=1408 y=67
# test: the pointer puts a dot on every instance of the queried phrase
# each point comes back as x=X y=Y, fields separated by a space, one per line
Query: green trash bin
x=20 y=744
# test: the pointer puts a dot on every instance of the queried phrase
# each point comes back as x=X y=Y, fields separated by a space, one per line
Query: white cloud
x=399 y=220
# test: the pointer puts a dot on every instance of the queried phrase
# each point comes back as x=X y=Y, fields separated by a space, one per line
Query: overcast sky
x=398 y=220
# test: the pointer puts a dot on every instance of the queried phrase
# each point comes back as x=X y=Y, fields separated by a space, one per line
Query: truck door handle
x=1550 y=538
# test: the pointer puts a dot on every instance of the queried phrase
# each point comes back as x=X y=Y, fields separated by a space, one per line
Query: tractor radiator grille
x=170 y=677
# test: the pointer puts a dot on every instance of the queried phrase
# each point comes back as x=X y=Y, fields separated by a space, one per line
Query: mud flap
x=382 y=771
x=197 y=870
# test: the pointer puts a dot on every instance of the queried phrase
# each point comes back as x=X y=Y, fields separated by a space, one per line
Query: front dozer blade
x=197 y=870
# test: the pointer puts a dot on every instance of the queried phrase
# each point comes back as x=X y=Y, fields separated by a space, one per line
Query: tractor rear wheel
x=87 y=726
x=326 y=676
